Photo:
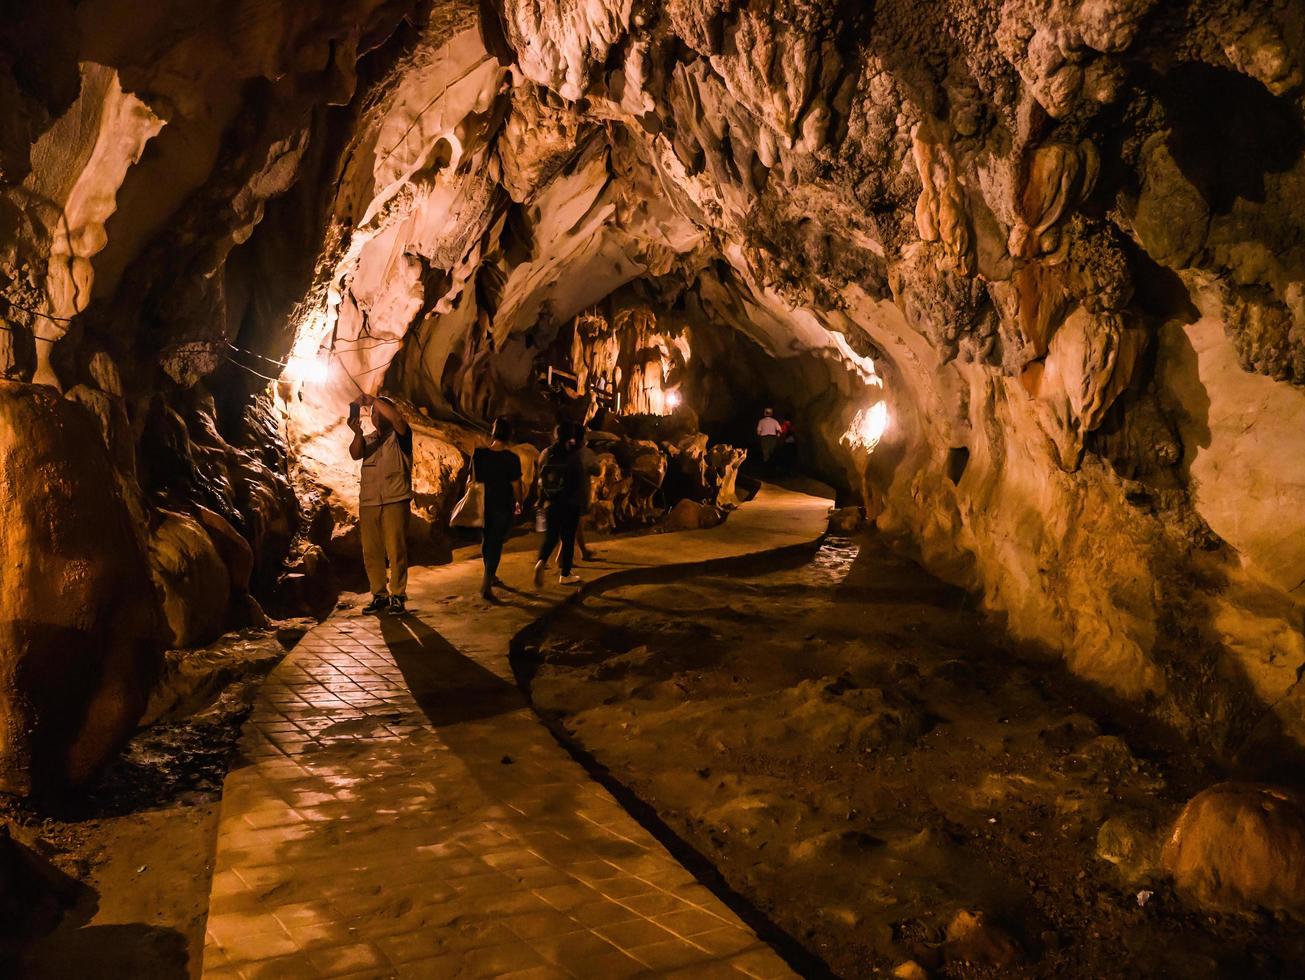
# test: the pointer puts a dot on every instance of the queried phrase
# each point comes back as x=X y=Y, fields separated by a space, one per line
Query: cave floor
x=875 y=767
x=399 y=809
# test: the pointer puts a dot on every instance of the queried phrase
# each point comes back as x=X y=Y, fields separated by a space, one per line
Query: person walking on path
x=592 y=468
x=564 y=493
x=788 y=451
x=499 y=469
x=384 y=500
x=768 y=434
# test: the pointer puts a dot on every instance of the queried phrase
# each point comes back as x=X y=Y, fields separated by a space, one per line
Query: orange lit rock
x=972 y=938
x=193 y=581
x=79 y=637
x=1240 y=846
x=689 y=515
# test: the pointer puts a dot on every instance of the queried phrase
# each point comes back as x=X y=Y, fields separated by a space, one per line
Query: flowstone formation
x=1060 y=243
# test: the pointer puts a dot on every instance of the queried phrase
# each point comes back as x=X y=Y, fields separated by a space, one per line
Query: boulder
x=972 y=938
x=689 y=515
x=686 y=472
x=308 y=586
x=606 y=484
x=846 y=521
x=193 y=582
x=646 y=468
x=1238 y=847
x=80 y=635
x=1129 y=842
x=723 y=462
x=231 y=545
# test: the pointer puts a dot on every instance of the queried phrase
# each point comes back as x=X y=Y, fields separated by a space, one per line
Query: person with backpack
x=384 y=500
x=593 y=468
x=499 y=469
x=564 y=495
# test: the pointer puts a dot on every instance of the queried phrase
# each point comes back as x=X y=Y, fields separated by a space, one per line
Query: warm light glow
x=311 y=335
x=867 y=428
x=311 y=369
x=672 y=400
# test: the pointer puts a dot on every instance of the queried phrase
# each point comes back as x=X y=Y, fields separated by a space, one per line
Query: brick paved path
x=398 y=810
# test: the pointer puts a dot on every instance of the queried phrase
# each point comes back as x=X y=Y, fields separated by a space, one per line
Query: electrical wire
x=26 y=309
x=206 y=345
x=246 y=367
x=261 y=357
x=379 y=343
x=333 y=352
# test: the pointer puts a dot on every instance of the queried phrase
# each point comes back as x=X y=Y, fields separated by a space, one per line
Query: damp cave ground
x=860 y=756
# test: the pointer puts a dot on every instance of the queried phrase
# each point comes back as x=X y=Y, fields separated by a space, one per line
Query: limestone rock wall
x=79 y=626
x=1062 y=242
x=1056 y=237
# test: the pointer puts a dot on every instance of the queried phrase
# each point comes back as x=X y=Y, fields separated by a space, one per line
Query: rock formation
x=78 y=621
x=1240 y=846
x=1061 y=243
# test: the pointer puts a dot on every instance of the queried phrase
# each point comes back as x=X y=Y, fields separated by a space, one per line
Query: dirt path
x=859 y=756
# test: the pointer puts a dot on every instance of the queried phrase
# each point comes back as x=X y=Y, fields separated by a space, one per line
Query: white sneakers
x=541 y=567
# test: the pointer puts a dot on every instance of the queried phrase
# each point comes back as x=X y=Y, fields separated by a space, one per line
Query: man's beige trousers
x=384 y=531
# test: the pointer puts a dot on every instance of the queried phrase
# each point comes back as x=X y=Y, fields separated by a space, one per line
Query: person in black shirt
x=499 y=468
x=564 y=492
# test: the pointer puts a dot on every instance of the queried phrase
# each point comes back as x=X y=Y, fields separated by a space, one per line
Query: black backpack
x=552 y=478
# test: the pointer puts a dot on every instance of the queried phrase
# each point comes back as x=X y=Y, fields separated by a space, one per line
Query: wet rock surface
x=864 y=761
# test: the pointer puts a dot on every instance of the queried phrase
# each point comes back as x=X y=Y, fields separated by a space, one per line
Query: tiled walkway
x=398 y=810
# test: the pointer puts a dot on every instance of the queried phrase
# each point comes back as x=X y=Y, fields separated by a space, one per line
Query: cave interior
x=1025 y=277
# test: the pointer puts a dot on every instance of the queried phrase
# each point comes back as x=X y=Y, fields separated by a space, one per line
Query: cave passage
x=919 y=390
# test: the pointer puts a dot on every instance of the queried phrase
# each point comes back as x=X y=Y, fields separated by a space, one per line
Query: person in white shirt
x=768 y=432
x=384 y=500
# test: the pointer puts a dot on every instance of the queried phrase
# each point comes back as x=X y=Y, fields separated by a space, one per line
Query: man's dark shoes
x=379 y=604
x=398 y=605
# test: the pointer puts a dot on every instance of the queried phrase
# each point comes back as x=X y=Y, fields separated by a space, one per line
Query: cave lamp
x=308 y=369
x=867 y=428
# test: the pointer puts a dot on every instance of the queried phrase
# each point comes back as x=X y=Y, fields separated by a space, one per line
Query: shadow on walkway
x=449 y=687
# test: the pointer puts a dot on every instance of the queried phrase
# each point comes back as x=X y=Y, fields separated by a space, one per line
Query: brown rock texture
x=192 y=579
x=1240 y=847
x=79 y=639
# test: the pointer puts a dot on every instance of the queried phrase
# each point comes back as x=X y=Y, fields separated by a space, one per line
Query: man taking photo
x=384 y=500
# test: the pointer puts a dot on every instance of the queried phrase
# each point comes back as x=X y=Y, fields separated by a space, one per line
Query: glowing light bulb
x=867 y=428
x=672 y=400
x=308 y=369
